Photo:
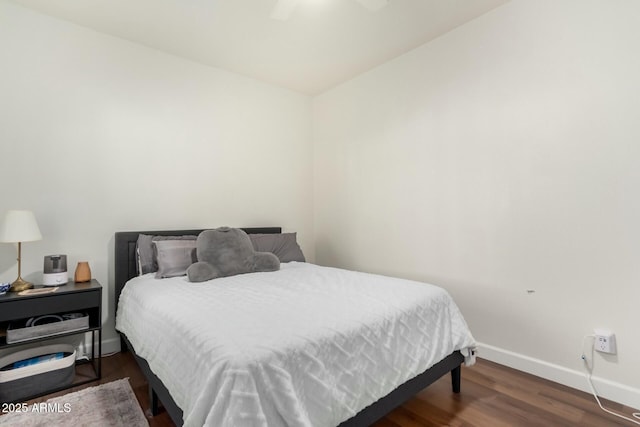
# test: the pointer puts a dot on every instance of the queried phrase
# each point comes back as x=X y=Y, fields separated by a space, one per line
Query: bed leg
x=455 y=378
x=154 y=406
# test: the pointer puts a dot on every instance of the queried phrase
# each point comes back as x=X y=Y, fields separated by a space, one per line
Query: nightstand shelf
x=72 y=297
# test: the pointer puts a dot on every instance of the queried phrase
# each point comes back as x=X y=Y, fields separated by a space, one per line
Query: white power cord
x=593 y=389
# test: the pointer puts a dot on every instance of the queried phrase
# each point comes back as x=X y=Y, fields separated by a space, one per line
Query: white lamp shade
x=19 y=226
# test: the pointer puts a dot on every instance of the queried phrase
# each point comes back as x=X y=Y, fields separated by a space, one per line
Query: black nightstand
x=84 y=297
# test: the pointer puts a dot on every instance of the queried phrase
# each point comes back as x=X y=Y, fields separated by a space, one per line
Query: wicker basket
x=28 y=329
x=40 y=378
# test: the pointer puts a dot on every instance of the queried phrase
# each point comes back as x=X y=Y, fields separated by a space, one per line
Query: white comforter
x=303 y=346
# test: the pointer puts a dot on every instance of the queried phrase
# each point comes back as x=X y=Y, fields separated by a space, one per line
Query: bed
x=272 y=366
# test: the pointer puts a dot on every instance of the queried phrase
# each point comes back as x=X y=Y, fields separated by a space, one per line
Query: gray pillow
x=146 y=261
x=174 y=257
x=226 y=252
x=284 y=246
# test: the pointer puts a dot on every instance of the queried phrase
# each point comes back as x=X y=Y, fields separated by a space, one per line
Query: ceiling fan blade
x=283 y=9
x=373 y=5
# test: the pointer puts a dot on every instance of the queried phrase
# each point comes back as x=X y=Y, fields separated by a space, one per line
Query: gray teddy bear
x=226 y=252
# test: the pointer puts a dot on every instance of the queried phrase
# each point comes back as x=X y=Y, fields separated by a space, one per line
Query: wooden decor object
x=83 y=272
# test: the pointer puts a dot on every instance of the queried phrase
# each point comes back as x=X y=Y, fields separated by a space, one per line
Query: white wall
x=99 y=135
x=500 y=158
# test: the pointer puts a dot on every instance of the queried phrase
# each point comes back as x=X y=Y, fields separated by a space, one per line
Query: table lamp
x=17 y=227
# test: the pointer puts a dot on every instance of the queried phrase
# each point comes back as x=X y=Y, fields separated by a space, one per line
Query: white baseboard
x=611 y=390
x=109 y=346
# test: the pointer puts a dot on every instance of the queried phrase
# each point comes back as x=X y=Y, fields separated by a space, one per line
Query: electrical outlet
x=605 y=341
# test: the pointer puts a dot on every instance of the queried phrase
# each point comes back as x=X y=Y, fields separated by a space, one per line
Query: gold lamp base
x=20 y=285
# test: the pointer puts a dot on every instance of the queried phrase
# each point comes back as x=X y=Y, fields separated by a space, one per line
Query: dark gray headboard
x=125 y=247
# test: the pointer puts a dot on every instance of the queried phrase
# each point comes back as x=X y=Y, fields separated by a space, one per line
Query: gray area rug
x=110 y=405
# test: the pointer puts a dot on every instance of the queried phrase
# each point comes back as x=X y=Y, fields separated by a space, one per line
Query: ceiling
x=322 y=43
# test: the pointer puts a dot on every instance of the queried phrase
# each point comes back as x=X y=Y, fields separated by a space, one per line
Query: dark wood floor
x=492 y=395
